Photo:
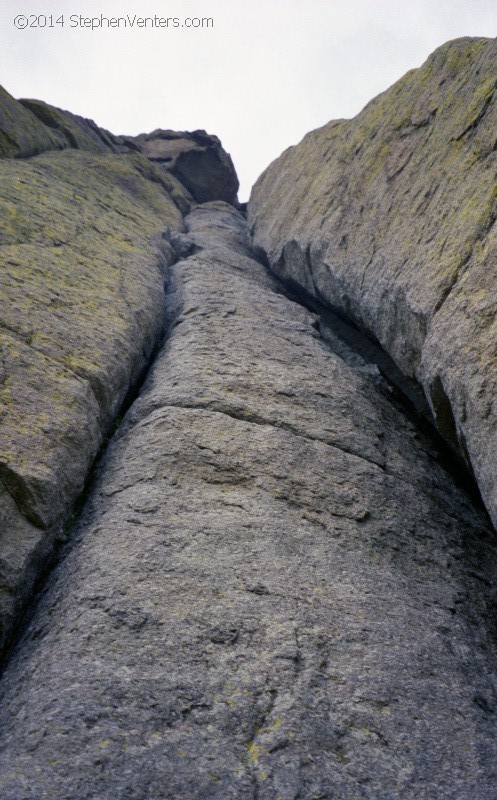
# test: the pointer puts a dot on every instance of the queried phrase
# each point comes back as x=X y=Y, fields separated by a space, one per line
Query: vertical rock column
x=82 y=271
x=274 y=591
x=390 y=218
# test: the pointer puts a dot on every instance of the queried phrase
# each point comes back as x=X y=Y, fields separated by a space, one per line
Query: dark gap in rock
x=106 y=141
x=63 y=541
x=443 y=412
x=405 y=393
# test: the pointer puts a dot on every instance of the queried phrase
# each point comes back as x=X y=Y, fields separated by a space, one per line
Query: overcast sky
x=267 y=71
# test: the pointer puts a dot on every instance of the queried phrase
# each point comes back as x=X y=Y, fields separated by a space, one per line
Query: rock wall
x=277 y=585
x=389 y=218
x=274 y=589
x=83 y=265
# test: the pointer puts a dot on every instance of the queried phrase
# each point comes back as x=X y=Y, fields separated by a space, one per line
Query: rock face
x=81 y=311
x=81 y=308
x=71 y=130
x=274 y=590
x=389 y=218
x=196 y=159
x=21 y=134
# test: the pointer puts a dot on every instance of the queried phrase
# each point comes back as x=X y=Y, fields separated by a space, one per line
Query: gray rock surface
x=197 y=159
x=81 y=309
x=21 y=133
x=82 y=262
x=275 y=591
x=390 y=219
x=72 y=130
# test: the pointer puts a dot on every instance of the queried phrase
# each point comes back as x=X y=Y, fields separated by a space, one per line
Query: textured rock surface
x=196 y=159
x=21 y=133
x=390 y=218
x=81 y=309
x=275 y=591
x=72 y=130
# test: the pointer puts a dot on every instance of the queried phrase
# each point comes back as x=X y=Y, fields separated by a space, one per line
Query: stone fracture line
x=75 y=338
x=390 y=218
x=248 y=613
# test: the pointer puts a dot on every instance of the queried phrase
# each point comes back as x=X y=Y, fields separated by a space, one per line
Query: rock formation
x=81 y=288
x=389 y=218
x=82 y=309
x=196 y=159
x=278 y=584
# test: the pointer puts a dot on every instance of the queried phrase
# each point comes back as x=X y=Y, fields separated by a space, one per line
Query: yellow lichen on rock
x=390 y=217
x=81 y=309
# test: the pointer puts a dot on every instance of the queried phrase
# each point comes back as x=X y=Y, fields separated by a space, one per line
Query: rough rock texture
x=72 y=130
x=82 y=267
x=390 y=218
x=274 y=591
x=21 y=133
x=81 y=309
x=196 y=159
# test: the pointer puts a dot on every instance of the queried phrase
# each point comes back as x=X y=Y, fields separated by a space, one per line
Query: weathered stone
x=274 y=591
x=72 y=130
x=389 y=218
x=196 y=159
x=81 y=310
x=21 y=133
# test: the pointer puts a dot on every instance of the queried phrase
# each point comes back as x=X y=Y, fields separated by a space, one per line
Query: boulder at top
x=390 y=218
x=196 y=159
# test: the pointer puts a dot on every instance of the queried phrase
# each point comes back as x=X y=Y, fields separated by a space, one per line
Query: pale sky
x=267 y=71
